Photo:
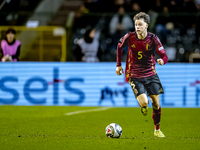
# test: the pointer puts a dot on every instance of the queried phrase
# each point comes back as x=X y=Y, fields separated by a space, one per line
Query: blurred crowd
x=175 y=22
x=99 y=24
x=15 y=12
x=143 y=5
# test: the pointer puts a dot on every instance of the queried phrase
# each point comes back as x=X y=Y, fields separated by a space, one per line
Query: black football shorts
x=151 y=85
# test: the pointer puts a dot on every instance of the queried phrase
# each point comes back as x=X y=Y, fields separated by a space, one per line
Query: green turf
x=48 y=128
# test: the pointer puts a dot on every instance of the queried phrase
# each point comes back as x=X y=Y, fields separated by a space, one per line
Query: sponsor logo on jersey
x=133 y=46
x=161 y=90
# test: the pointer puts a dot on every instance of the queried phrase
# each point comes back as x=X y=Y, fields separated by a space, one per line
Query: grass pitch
x=49 y=128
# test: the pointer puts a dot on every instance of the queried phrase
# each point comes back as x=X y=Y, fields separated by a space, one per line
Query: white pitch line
x=85 y=111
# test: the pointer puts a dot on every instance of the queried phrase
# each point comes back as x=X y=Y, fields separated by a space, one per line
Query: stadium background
x=49 y=30
x=50 y=101
x=49 y=33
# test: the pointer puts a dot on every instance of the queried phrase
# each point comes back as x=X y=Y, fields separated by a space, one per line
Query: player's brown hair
x=142 y=15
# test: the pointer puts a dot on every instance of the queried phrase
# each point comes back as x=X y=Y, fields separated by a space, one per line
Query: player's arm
x=121 y=45
x=161 y=52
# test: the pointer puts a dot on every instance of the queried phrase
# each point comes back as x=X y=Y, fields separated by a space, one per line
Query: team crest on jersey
x=148 y=46
x=133 y=46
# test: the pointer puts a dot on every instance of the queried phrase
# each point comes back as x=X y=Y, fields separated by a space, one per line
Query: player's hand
x=160 y=61
x=119 y=70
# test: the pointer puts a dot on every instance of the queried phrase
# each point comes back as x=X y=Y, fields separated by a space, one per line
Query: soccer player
x=140 y=66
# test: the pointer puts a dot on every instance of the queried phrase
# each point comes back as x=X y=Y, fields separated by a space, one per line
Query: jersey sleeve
x=123 y=42
x=160 y=49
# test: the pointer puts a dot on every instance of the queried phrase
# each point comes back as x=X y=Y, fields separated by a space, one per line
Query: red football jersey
x=140 y=61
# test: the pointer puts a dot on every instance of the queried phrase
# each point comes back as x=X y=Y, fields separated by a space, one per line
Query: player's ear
x=147 y=25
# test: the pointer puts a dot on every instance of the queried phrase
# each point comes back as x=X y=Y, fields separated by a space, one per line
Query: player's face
x=140 y=26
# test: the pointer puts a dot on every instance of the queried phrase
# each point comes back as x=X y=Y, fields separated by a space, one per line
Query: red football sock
x=156 y=118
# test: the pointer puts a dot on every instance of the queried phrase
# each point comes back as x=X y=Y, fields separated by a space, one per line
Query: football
x=113 y=130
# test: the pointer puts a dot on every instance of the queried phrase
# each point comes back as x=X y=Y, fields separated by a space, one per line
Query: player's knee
x=156 y=106
x=144 y=104
x=142 y=99
x=155 y=101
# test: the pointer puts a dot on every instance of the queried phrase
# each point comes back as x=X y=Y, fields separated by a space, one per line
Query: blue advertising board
x=92 y=84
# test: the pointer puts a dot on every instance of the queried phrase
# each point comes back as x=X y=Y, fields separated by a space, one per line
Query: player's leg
x=154 y=88
x=143 y=102
x=139 y=92
x=156 y=110
x=156 y=115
